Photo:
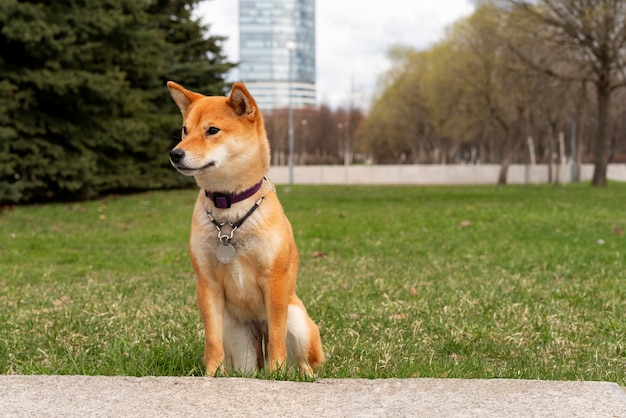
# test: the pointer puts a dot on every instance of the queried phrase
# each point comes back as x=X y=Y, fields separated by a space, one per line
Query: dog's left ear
x=242 y=102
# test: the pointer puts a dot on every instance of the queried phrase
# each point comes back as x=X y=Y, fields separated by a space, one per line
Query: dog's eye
x=184 y=131
x=212 y=130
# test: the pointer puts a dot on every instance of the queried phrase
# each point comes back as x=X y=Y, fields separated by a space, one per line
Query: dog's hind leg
x=304 y=345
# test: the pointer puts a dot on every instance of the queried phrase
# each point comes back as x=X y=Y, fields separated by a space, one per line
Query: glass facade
x=267 y=28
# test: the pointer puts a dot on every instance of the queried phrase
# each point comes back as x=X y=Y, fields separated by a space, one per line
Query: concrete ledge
x=96 y=396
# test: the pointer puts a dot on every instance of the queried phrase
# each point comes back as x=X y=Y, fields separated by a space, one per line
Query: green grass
x=471 y=282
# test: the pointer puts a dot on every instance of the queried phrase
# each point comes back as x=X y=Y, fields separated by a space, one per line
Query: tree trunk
x=504 y=171
x=602 y=139
x=444 y=152
x=505 y=161
x=550 y=154
x=579 y=159
x=577 y=137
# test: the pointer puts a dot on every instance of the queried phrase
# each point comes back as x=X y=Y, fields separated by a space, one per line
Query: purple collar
x=225 y=200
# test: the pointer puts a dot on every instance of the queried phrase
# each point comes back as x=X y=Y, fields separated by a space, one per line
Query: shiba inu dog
x=241 y=243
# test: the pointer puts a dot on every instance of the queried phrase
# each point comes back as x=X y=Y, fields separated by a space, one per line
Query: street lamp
x=291 y=47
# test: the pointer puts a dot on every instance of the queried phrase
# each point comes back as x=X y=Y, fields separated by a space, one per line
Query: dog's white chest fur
x=237 y=273
x=244 y=298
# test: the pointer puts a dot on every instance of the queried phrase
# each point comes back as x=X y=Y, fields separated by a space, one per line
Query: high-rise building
x=277 y=51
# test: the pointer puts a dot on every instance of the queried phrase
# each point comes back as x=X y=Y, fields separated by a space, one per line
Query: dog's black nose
x=176 y=155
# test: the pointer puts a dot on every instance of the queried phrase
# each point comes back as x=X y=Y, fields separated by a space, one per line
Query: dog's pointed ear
x=182 y=96
x=242 y=102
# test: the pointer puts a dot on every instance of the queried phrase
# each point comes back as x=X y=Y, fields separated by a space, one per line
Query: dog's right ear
x=182 y=96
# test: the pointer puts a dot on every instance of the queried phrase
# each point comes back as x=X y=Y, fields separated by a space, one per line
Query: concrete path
x=94 y=396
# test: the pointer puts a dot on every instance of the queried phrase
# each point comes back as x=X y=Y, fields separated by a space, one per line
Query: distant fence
x=434 y=174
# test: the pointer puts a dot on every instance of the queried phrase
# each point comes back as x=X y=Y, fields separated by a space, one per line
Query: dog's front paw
x=215 y=369
x=212 y=365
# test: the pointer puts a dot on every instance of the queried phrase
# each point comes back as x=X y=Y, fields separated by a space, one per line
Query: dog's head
x=223 y=141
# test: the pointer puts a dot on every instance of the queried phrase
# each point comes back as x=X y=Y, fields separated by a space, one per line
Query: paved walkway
x=95 y=396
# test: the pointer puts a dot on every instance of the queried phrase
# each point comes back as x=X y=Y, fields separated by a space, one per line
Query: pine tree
x=191 y=60
x=83 y=104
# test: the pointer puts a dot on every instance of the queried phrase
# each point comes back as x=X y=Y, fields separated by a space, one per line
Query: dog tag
x=225 y=253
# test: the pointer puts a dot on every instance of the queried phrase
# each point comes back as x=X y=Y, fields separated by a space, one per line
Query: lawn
x=472 y=282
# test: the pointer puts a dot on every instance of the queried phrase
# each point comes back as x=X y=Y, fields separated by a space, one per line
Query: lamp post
x=291 y=46
x=303 y=146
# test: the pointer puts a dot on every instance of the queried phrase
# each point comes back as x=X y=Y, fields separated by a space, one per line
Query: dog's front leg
x=211 y=304
x=277 y=308
x=281 y=284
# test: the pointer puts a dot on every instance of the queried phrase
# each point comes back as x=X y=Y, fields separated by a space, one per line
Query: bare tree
x=588 y=38
x=493 y=95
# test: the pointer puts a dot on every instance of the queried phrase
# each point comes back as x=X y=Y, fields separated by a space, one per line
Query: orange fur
x=225 y=148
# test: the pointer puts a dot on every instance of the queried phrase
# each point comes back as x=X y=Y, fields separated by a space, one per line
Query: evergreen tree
x=191 y=60
x=83 y=104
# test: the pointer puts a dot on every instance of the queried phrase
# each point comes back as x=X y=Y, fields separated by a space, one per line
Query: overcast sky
x=352 y=38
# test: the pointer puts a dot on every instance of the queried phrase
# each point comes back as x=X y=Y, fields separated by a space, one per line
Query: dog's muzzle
x=177 y=157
